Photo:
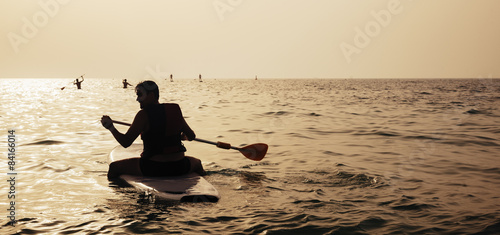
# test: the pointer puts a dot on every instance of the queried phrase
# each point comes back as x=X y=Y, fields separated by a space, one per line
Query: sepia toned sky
x=248 y=38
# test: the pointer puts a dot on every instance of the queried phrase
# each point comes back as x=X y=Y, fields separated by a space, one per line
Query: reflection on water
x=346 y=156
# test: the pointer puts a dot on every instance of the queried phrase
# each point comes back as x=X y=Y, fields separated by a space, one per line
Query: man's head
x=146 y=87
x=147 y=93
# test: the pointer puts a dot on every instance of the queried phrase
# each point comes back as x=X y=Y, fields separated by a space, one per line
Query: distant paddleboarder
x=125 y=84
x=199 y=78
x=171 y=78
x=78 y=83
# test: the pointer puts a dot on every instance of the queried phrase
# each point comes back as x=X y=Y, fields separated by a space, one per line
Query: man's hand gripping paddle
x=255 y=152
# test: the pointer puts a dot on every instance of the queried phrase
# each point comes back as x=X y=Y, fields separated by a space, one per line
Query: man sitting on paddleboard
x=162 y=127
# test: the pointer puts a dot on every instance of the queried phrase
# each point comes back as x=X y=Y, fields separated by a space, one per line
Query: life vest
x=166 y=124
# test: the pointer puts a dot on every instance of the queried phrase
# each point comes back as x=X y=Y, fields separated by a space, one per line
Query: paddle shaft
x=255 y=152
x=122 y=123
x=218 y=144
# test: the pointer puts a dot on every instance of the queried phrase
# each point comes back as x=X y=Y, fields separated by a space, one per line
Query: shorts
x=159 y=169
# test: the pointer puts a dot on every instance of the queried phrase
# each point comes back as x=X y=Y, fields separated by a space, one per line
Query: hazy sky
x=248 y=38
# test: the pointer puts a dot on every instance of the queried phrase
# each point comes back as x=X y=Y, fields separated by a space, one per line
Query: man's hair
x=149 y=86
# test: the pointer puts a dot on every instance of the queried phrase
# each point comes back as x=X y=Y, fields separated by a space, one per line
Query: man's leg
x=127 y=166
x=196 y=166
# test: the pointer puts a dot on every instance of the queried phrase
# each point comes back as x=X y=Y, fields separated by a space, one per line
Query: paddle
x=62 y=88
x=254 y=152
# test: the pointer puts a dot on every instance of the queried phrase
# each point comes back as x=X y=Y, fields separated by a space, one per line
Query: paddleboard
x=185 y=188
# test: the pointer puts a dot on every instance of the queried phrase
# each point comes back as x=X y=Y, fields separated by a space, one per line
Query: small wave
x=259 y=164
x=332 y=153
x=50 y=168
x=475 y=111
x=376 y=132
x=252 y=177
x=413 y=207
x=386 y=202
x=421 y=137
x=221 y=219
x=46 y=142
x=406 y=203
x=323 y=132
x=388 y=153
x=224 y=172
x=386 y=133
x=484 y=138
x=360 y=145
x=246 y=176
x=326 y=178
x=491 y=229
x=343 y=179
x=470 y=142
x=277 y=113
x=495 y=170
x=467 y=124
x=312 y=203
x=299 y=136
x=372 y=222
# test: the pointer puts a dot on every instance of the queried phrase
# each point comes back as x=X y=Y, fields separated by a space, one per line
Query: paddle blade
x=255 y=151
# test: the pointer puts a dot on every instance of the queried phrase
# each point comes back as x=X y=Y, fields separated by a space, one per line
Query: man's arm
x=187 y=132
x=135 y=130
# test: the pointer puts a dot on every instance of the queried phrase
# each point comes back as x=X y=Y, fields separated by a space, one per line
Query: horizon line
x=247 y=78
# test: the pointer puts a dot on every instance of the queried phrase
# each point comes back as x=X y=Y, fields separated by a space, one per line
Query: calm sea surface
x=345 y=157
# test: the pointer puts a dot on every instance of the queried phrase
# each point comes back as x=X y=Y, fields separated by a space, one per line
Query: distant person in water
x=125 y=83
x=78 y=83
x=162 y=127
x=171 y=78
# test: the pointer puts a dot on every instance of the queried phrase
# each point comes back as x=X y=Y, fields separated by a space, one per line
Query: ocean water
x=358 y=156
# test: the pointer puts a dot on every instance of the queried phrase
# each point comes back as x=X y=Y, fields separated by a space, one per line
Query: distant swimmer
x=78 y=83
x=125 y=83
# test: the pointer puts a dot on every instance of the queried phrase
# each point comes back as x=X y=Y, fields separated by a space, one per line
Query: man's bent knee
x=196 y=166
